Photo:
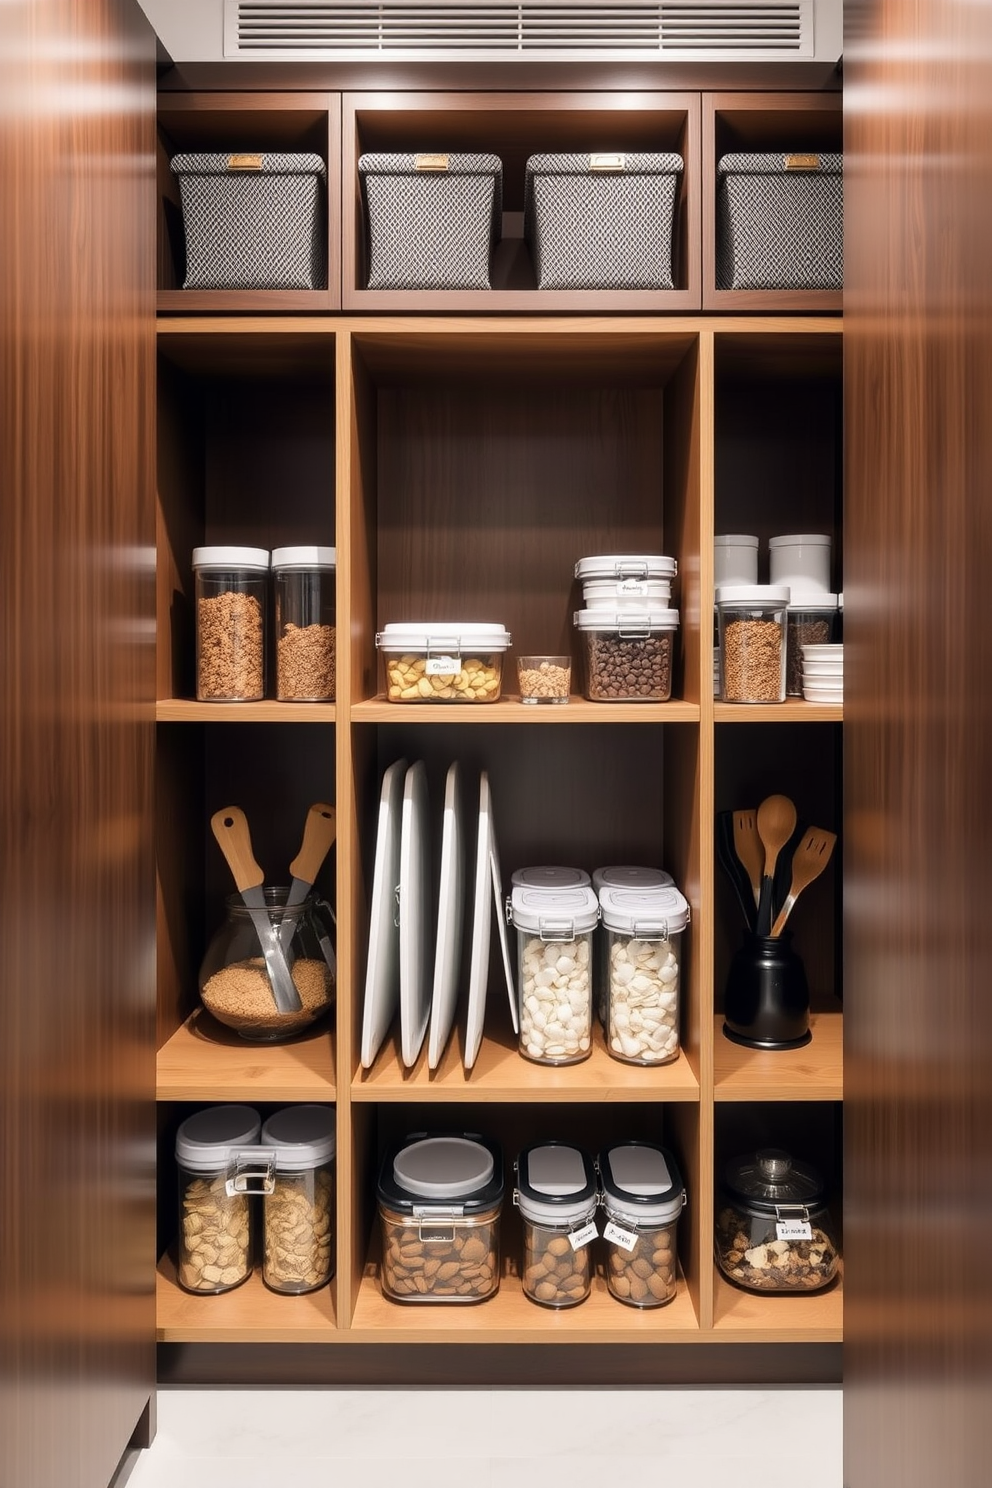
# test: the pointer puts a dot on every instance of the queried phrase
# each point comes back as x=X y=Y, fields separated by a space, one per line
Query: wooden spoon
x=776 y=822
x=747 y=845
x=808 y=862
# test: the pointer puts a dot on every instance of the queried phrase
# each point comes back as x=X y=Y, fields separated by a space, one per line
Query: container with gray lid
x=643 y=1197
x=219 y=1164
x=298 y=1213
x=557 y=1194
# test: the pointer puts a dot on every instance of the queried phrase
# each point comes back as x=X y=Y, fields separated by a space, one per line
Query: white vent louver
x=404 y=30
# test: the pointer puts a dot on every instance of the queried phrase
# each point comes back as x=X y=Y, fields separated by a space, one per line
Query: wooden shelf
x=245 y=301
x=185 y=710
x=815 y=1073
x=510 y=710
x=793 y=710
x=250 y=1314
x=203 y=1061
x=749 y=1318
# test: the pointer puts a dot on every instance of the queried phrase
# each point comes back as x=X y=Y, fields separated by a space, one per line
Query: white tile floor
x=496 y=1438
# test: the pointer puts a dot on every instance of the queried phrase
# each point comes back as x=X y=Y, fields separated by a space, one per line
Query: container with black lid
x=557 y=1194
x=773 y=1230
x=643 y=1197
x=440 y=1198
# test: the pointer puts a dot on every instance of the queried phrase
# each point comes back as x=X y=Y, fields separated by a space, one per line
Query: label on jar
x=620 y=1237
x=793 y=1229
x=584 y=1236
x=438 y=666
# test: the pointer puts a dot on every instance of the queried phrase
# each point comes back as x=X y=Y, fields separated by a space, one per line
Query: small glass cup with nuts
x=544 y=679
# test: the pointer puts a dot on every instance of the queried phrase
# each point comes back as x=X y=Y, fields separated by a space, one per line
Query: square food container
x=442 y=661
x=629 y=655
x=780 y=221
x=432 y=219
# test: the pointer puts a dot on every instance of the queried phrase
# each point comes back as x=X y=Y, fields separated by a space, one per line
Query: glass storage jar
x=234 y=982
x=219 y=1165
x=306 y=635
x=752 y=642
x=442 y=662
x=440 y=1199
x=619 y=581
x=643 y=1197
x=230 y=595
x=773 y=1229
x=619 y=877
x=557 y=1194
x=298 y=1211
x=554 y=969
x=642 y=931
x=629 y=654
x=811 y=621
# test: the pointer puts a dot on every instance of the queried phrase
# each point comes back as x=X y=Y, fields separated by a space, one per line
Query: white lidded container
x=550 y=877
x=619 y=581
x=231 y=598
x=219 y=1165
x=298 y=1212
x=735 y=558
x=642 y=932
x=306 y=635
x=557 y=1194
x=629 y=654
x=554 y=970
x=752 y=619
x=811 y=620
x=434 y=661
x=801 y=560
x=620 y=876
x=642 y=1198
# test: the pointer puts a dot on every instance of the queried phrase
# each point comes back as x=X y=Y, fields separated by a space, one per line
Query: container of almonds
x=440 y=1199
x=220 y=1166
x=298 y=1212
x=557 y=1194
x=442 y=661
x=643 y=1197
x=773 y=1229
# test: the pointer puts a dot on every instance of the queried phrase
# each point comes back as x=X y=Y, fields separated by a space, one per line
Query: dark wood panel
x=918 y=730
x=77 y=285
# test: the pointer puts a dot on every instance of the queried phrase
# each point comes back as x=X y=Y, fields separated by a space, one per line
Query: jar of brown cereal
x=306 y=635
x=643 y=1197
x=219 y=1165
x=752 y=630
x=557 y=1194
x=231 y=594
x=298 y=1212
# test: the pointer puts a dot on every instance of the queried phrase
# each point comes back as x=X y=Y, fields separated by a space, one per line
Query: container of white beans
x=633 y=878
x=642 y=931
x=554 y=922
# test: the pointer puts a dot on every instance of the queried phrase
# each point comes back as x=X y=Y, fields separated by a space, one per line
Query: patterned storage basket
x=432 y=221
x=601 y=221
x=780 y=222
x=253 y=221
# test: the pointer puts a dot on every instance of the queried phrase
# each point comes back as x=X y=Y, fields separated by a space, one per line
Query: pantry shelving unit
x=462 y=452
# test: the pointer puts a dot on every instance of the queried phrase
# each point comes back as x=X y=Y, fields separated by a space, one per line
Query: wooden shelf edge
x=578 y=711
x=185 y=710
x=795 y=710
x=815 y=1073
x=248 y=1314
x=204 y=1061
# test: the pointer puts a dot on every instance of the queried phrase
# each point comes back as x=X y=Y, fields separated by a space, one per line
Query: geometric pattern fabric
x=431 y=229
x=779 y=228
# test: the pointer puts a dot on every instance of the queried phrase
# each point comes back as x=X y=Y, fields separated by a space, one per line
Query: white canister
x=735 y=558
x=554 y=970
x=642 y=932
x=621 y=581
x=800 y=560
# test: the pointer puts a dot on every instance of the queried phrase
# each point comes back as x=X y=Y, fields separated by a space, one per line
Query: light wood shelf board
x=815 y=1073
x=794 y=710
x=205 y=1061
x=509 y=710
x=184 y=710
x=250 y=1314
x=746 y=1317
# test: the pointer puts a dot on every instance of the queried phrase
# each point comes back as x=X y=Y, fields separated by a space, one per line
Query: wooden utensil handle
x=319 y=833
x=230 y=827
x=782 y=916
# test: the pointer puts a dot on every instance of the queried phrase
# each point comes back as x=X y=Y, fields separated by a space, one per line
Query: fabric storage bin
x=780 y=221
x=253 y=221
x=601 y=221
x=432 y=220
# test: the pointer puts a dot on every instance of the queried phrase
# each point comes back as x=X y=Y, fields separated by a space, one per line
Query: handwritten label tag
x=620 y=1237
x=793 y=1229
x=579 y=1238
x=437 y=666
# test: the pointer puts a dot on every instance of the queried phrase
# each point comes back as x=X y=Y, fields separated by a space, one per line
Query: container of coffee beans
x=811 y=621
x=752 y=625
x=643 y=935
x=220 y=1165
x=642 y=1199
x=440 y=1199
x=298 y=1213
x=554 y=928
x=231 y=595
x=628 y=654
x=557 y=1194
x=773 y=1228
x=306 y=636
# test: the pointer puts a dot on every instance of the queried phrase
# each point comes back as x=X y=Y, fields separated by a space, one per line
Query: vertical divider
x=705 y=806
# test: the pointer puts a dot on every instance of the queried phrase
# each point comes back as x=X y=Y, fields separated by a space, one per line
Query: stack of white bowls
x=823 y=673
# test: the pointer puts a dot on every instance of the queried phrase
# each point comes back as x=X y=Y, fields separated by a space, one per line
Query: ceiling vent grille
x=403 y=30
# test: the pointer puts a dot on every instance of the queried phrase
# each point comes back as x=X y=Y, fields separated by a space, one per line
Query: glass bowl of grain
x=234 y=984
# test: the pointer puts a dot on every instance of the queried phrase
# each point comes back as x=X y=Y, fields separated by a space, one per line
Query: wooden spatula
x=747 y=845
x=808 y=862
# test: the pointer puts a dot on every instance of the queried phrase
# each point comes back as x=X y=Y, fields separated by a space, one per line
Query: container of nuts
x=298 y=1211
x=752 y=629
x=629 y=654
x=442 y=662
x=643 y=1197
x=621 y=876
x=557 y=1194
x=306 y=633
x=231 y=596
x=220 y=1165
x=554 y=925
x=643 y=935
x=773 y=1230
x=440 y=1200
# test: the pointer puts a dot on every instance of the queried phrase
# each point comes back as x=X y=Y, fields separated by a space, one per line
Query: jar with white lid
x=801 y=560
x=752 y=620
x=629 y=654
x=735 y=558
x=811 y=621
x=231 y=586
x=440 y=1200
x=306 y=633
x=550 y=877
x=642 y=1198
x=621 y=876
x=442 y=661
x=554 y=970
x=620 y=581
x=557 y=1194
x=643 y=934
x=298 y=1211
x=219 y=1164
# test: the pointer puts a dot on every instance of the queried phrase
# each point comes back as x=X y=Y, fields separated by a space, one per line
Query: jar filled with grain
x=643 y=1196
x=554 y=927
x=629 y=655
x=440 y=1199
x=774 y=1232
x=812 y=621
x=306 y=635
x=220 y=1166
x=557 y=1194
x=441 y=662
x=752 y=629
x=298 y=1213
x=643 y=936
x=231 y=587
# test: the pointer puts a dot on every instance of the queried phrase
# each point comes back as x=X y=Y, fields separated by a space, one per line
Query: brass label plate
x=244 y=162
x=802 y=162
x=607 y=162
x=430 y=162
